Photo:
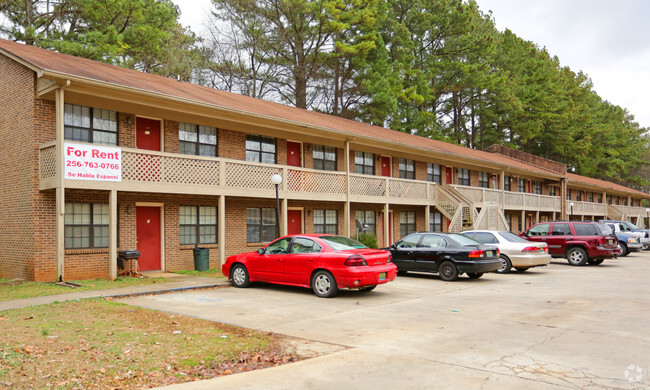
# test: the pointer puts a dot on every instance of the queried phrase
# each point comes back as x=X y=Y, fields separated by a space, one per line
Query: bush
x=368 y=239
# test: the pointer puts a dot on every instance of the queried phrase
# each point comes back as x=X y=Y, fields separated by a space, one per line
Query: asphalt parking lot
x=551 y=327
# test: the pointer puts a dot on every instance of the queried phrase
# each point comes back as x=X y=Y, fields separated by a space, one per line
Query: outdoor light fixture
x=276 y=180
x=571 y=204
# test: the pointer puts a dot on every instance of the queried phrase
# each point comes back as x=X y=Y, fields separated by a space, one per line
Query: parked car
x=323 y=262
x=515 y=251
x=580 y=242
x=629 y=227
x=448 y=254
x=627 y=241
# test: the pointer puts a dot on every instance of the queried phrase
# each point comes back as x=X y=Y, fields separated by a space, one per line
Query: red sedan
x=323 y=262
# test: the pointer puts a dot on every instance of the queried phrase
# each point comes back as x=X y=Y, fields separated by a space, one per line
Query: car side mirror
x=260 y=251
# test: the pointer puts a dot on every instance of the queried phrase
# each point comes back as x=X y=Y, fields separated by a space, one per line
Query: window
x=197 y=140
x=92 y=125
x=364 y=163
x=432 y=241
x=278 y=246
x=260 y=224
x=197 y=225
x=508 y=183
x=551 y=190
x=561 y=229
x=585 y=229
x=367 y=217
x=463 y=176
x=568 y=194
x=86 y=225
x=410 y=241
x=434 y=173
x=406 y=168
x=325 y=221
x=600 y=199
x=304 y=245
x=325 y=158
x=538 y=187
x=539 y=230
x=521 y=185
x=484 y=180
x=485 y=238
x=406 y=223
x=435 y=222
x=260 y=149
x=579 y=195
x=591 y=197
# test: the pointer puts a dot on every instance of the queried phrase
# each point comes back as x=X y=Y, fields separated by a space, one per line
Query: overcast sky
x=609 y=40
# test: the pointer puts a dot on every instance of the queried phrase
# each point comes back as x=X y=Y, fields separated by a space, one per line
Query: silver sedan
x=515 y=251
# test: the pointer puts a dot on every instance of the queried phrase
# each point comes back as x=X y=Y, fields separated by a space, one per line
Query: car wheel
x=324 y=284
x=506 y=265
x=239 y=276
x=448 y=271
x=367 y=288
x=595 y=261
x=623 y=248
x=474 y=275
x=577 y=256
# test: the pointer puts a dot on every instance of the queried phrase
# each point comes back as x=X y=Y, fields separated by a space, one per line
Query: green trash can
x=201 y=259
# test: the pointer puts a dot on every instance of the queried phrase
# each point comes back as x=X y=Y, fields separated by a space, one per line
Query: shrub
x=368 y=239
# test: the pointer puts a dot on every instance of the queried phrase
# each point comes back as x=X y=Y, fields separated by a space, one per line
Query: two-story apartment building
x=98 y=158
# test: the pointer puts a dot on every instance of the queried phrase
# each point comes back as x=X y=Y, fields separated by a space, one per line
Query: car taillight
x=355 y=260
x=476 y=253
x=390 y=258
x=532 y=249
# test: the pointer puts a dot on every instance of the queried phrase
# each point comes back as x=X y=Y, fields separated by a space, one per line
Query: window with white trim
x=324 y=158
x=197 y=140
x=86 y=225
x=326 y=222
x=198 y=225
x=88 y=124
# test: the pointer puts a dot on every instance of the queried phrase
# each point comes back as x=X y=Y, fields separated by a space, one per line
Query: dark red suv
x=578 y=242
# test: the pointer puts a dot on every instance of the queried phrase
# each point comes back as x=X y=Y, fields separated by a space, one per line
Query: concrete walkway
x=179 y=283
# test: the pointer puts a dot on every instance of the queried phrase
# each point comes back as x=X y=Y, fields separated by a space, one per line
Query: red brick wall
x=19 y=170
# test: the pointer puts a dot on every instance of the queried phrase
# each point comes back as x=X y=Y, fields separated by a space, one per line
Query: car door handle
x=567 y=239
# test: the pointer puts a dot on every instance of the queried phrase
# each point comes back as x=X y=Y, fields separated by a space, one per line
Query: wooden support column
x=427 y=217
x=112 y=234
x=60 y=183
x=285 y=216
x=386 y=226
x=222 y=231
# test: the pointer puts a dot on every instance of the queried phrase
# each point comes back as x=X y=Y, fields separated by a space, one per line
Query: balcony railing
x=511 y=200
x=586 y=208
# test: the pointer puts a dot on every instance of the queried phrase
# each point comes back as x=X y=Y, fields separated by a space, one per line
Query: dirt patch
x=100 y=344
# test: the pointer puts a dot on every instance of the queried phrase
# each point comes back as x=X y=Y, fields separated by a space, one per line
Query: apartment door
x=448 y=175
x=294 y=155
x=294 y=221
x=148 y=236
x=385 y=166
x=147 y=134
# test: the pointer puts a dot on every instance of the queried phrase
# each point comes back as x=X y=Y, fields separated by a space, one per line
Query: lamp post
x=647 y=222
x=277 y=180
x=571 y=204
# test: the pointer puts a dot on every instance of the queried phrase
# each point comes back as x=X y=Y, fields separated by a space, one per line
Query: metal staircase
x=463 y=214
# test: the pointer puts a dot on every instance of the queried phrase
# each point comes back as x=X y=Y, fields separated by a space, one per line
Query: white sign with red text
x=90 y=162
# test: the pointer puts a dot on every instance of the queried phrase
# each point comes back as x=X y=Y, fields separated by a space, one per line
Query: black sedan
x=448 y=254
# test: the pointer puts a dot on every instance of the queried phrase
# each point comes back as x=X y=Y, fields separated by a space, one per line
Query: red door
x=148 y=235
x=385 y=166
x=293 y=154
x=448 y=175
x=147 y=134
x=294 y=221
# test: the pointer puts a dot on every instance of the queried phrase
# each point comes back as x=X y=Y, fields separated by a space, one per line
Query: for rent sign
x=90 y=162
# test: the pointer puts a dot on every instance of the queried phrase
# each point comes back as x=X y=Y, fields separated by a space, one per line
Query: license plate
x=382 y=276
x=611 y=242
x=490 y=253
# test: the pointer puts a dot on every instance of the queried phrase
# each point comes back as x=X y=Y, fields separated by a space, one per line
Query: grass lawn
x=10 y=290
x=211 y=273
x=101 y=344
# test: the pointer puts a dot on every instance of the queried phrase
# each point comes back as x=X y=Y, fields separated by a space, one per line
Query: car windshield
x=512 y=237
x=463 y=240
x=630 y=226
x=339 y=243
